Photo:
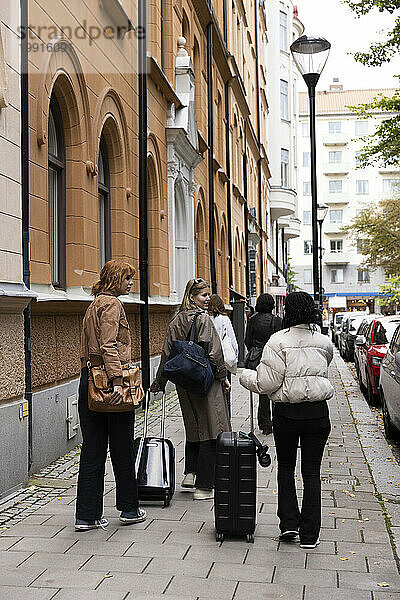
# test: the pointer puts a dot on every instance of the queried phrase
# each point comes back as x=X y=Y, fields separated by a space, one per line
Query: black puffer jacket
x=260 y=327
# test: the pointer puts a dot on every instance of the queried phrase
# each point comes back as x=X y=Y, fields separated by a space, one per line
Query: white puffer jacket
x=293 y=367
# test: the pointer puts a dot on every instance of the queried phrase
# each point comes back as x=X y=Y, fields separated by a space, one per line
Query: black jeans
x=313 y=434
x=264 y=412
x=200 y=459
x=100 y=430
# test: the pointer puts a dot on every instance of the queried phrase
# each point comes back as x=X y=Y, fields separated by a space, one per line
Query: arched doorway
x=182 y=246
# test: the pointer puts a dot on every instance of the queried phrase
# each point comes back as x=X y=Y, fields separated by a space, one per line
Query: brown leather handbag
x=101 y=389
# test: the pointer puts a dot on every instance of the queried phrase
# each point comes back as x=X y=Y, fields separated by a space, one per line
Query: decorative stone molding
x=62 y=51
x=109 y=106
x=3 y=76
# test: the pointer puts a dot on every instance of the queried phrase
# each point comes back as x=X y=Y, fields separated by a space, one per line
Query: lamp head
x=310 y=54
x=322 y=211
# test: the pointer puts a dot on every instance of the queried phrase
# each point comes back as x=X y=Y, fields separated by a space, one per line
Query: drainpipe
x=259 y=178
x=25 y=215
x=211 y=159
x=246 y=218
x=143 y=207
x=228 y=165
x=277 y=247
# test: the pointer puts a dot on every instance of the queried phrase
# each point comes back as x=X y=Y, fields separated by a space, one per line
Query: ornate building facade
x=208 y=172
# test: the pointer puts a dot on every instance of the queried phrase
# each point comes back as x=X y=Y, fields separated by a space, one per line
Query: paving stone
x=52 y=560
x=20 y=593
x=369 y=581
x=157 y=550
x=42 y=545
x=217 y=554
x=316 y=577
x=264 y=591
x=386 y=595
x=19 y=577
x=198 y=568
x=246 y=572
x=363 y=549
x=12 y=559
x=320 y=593
x=136 y=583
x=199 y=539
x=165 y=525
x=334 y=563
x=131 y=534
x=261 y=557
x=42 y=531
x=382 y=565
x=211 y=588
x=116 y=563
x=69 y=578
x=92 y=547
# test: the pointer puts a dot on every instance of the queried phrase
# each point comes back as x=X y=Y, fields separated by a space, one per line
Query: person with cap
x=294 y=373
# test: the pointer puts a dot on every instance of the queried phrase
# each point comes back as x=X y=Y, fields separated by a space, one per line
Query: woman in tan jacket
x=106 y=341
x=204 y=418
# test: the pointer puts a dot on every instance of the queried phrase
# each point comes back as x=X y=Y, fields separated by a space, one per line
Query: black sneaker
x=83 y=525
x=310 y=546
x=289 y=535
x=129 y=518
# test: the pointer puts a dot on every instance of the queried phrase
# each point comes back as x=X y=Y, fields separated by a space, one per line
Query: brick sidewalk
x=173 y=555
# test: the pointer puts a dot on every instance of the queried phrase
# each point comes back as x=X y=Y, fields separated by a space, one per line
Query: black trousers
x=200 y=459
x=264 y=412
x=312 y=434
x=100 y=430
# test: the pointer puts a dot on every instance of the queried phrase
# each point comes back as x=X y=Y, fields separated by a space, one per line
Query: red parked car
x=371 y=345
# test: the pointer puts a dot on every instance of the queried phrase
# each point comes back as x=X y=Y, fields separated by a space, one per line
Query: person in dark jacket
x=260 y=327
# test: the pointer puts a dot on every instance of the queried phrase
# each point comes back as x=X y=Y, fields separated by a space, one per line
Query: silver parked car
x=389 y=387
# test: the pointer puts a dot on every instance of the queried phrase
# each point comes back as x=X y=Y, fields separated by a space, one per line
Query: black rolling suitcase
x=155 y=462
x=236 y=484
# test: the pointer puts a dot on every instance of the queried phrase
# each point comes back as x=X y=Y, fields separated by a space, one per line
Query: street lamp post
x=322 y=211
x=310 y=54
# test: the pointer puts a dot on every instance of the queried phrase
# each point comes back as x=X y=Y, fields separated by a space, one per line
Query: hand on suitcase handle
x=226 y=386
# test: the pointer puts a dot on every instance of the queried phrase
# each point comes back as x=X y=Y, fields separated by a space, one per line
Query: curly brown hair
x=112 y=275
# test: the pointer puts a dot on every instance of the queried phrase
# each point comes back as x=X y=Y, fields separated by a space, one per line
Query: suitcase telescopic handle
x=251 y=413
x=146 y=415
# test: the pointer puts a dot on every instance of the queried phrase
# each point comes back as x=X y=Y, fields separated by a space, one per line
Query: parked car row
x=373 y=343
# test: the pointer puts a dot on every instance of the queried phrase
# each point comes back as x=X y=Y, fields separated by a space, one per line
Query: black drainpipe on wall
x=143 y=207
x=228 y=167
x=25 y=215
x=213 y=273
x=277 y=247
x=246 y=218
x=259 y=179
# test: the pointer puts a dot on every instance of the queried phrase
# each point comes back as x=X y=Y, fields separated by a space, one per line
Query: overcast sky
x=334 y=20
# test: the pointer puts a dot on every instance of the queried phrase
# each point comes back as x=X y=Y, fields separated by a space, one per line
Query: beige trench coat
x=204 y=418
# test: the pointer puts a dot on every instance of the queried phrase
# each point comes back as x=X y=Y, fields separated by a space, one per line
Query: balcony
x=335 y=139
x=341 y=168
x=330 y=228
x=336 y=258
x=337 y=198
x=290 y=226
x=389 y=170
x=282 y=202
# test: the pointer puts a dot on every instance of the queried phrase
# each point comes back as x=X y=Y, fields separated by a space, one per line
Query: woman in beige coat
x=204 y=417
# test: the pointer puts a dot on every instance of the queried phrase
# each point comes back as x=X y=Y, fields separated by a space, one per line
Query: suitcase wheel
x=219 y=537
x=250 y=538
x=167 y=500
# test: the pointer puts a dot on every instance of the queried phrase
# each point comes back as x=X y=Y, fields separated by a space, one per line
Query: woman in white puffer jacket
x=294 y=373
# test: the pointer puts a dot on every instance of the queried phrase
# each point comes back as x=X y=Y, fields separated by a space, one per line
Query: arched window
x=182 y=259
x=104 y=204
x=56 y=195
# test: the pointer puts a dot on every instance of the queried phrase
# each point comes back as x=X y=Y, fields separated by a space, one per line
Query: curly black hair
x=300 y=308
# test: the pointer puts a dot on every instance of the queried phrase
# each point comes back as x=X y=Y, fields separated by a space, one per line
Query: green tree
x=390 y=291
x=378 y=227
x=290 y=276
x=383 y=146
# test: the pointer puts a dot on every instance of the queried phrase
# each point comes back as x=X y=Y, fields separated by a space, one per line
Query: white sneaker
x=310 y=546
x=200 y=494
x=188 y=482
x=289 y=535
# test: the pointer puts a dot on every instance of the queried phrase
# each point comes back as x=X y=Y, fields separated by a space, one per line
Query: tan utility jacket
x=106 y=337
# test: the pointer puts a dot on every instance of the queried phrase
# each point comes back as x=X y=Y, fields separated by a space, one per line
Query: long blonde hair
x=111 y=276
x=193 y=287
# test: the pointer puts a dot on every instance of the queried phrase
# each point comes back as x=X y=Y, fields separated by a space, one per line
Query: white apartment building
x=346 y=190
x=282 y=218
